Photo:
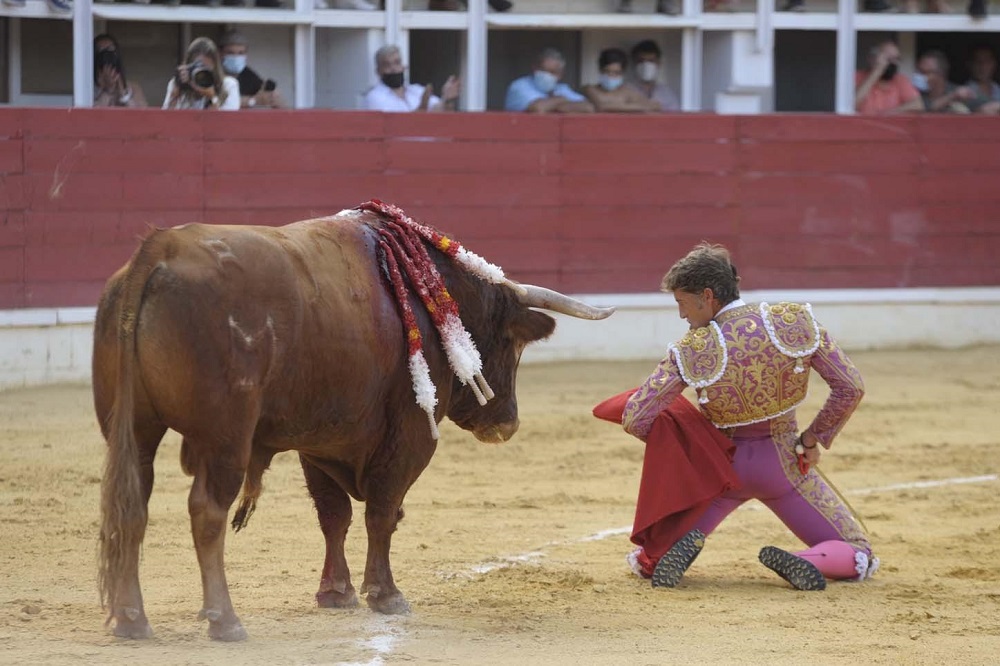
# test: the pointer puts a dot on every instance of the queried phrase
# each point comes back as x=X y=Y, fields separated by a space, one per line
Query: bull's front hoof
x=224 y=627
x=227 y=633
x=333 y=599
x=393 y=604
x=132 y=623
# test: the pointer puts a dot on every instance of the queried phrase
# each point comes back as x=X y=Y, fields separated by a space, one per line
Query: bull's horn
x=546 y=299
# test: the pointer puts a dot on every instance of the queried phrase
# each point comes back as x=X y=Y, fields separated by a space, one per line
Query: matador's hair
x=707 y=266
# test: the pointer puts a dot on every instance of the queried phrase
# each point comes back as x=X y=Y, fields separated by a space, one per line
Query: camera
x=107 y=58
x=202 y=76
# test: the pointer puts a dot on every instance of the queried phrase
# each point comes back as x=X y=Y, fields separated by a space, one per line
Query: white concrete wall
x=46 y=346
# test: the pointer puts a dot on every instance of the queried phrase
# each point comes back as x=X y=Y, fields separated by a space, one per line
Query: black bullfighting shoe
x=671 y=567
x=800 y=573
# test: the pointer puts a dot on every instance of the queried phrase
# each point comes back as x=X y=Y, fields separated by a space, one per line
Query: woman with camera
x=200 y=82
x=111 y=86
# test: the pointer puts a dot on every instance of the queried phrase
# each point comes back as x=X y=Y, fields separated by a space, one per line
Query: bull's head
x=505 y=327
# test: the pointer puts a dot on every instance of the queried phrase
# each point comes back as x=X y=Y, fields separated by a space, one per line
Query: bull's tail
x=123 y=506
x=260 y=460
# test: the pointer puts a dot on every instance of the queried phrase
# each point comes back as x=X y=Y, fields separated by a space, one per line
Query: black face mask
x=890 y=71
x=394 y=80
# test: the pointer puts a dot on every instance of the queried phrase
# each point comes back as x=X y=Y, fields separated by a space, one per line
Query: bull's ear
x=530 y=325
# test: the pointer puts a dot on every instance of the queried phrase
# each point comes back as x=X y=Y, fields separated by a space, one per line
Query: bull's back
x=273 y=320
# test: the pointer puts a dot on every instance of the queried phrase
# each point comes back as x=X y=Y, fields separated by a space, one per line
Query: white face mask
x=920 y=81
x=545 y=81
x=647 y=71
x=234 y=64
x=609 y=82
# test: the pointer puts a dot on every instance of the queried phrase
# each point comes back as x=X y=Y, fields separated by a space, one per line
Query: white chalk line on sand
x=384 y=631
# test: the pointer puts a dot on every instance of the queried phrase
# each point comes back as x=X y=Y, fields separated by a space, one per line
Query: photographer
x=111 y=86
x=255 y=92
x=200 y=82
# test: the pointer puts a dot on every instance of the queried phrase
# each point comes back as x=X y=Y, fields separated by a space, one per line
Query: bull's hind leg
x=333 y=506
x=218 y=473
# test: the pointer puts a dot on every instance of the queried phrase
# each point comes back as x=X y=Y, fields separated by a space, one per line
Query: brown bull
x=249 y=341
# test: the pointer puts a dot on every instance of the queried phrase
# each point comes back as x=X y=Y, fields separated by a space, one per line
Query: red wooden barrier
x=580 y=204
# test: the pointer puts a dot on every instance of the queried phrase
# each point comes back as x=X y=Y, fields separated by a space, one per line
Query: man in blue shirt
x=541 y=91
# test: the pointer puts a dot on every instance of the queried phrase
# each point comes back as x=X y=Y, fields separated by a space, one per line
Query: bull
x=250 y=341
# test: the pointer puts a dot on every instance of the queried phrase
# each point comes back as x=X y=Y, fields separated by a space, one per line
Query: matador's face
x=696 y=308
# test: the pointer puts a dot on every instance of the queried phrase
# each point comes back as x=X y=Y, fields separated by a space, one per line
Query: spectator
x=393 y=94
x=647 y=64
x=345 y=4
x=541 y=91
x=977 y=9
x=200 y=82
x=612 y=95
x=985 y=90
x=877 y=6
x=459 y=5
x=112 y=88
x=668 y=7
x=933 y=7
x=60 y=6
x=938 y=93
x=881 y=89
x=255 y=92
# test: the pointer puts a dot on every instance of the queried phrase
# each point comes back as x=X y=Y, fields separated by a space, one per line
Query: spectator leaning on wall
x=612 y=94
x=542 y=92
x=647 y=64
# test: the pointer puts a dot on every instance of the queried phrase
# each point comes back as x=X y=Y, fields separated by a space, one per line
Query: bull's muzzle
x=498 y=432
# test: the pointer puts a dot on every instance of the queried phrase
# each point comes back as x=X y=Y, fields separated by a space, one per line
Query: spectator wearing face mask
x=612 y=94
x=255 y=92
x=393 y=94
x=200 y=83
x=882 y=89
x=542 y=92
x=939 y=94
x=647 y=65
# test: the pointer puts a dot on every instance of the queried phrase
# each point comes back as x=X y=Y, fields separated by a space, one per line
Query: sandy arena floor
x=514 y=554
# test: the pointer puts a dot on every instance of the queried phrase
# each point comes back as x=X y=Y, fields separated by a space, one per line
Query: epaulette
x=701 y=357
x=792 y=328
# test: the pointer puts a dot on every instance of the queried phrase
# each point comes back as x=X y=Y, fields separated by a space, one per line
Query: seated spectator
x=669 y=7
x=881 y=89
x=977 y=9
x=200 y=82
x=59 y=6
x=459 y=5
x=255 y=92
x=612 y=94
x=345 y=4
x=112 y=87
x=541 y=91
x=939 y=94
x=647 y=65
x=393 y=94
x=985 y=90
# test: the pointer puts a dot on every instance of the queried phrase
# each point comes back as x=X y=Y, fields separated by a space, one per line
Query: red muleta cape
x=687 y=464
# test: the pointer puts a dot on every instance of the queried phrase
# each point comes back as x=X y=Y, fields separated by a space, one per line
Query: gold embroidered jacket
x=749 y=365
